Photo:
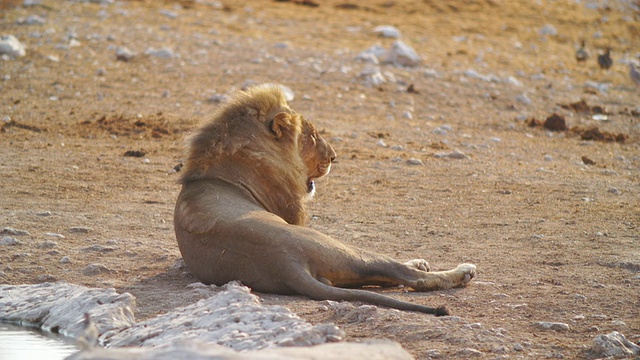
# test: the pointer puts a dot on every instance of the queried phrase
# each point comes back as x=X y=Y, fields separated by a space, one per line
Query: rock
x=14 y=232
x=80 y=229
x=555 y=122
x=402 y=54
x=387 y=31
x=368 y=349
x=523 y=99
x=124 y=54
x=548 y=29
x=458 y=155
x=372 y=77
x=8 y=240
x=613 y=344
x=99 y=248
x=32 y=20
x=442 y=130
x=372 y=54
x=11 y=47
x=95 y=269
x=47 y=244
x=468 y=352
x=169 y=14
x=233 y=318
x=557 y=326
x=413 y=161
x=164 y=53
x=61 y=306
x=55 y=235
x=65 y=260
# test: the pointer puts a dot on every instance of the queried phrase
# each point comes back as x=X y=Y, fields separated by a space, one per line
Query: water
x=22 y=343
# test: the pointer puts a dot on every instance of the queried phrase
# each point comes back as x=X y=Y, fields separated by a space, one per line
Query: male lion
x=241 y=212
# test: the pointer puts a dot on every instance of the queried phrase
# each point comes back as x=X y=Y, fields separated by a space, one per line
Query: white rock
x=523 y=99
x=11 y=47
x=402 y=54
x=414 y=161
x=124 y=54
x=376 y=50
x=372 y=77
x=368 y=349
x=14 y=232
x=387 y=31
x=233 y=318
x=8 y=240
x=458 y=155
x=613 y=344
x=62 y=306
x=164 y=53
x=557 y=326
x=169 y=14
x=548 y=29
x=32 y=20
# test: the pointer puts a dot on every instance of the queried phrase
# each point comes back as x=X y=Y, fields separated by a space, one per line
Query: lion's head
x=255 y=141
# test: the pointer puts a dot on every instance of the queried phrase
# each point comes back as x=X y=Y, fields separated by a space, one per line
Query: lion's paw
x=419 y=264
x=468 y=271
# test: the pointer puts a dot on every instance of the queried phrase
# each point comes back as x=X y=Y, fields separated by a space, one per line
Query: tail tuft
x=442 y=311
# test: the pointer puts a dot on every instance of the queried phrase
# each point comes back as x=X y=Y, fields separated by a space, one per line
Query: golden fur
x=240 y=213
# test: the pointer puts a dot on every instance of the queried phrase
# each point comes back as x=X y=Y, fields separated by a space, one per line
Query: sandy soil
x=550 y=219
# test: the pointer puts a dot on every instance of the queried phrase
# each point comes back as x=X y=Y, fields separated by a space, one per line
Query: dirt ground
x=551 y=218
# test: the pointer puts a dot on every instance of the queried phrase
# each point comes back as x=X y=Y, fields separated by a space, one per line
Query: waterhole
x=23 y=343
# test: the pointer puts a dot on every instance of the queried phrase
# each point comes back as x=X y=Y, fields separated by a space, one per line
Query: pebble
x=164 y=53
x=372 y=77
x=401 y=54
x=442 y=130
x=169 y=14
x=14 y=232
x=433 y=354
x=44 y=213
x=47 y=244
x=548 y=29
x=377 y=51
x=95 y=269
x=217 y=98
x=458 y=155
x=614 y=191
x=65 y=260
x=31 y=20
x=59 y=236
x=469 y=352
x=414 y=161
x=557 y=326
x=8 y=240
x=11 y=46
x=99 y=248
x=80 y=229
x=124 y=54
x=407 y=115
x=523 y=99
x=387 y=31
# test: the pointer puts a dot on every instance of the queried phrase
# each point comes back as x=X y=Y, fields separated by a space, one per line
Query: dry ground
x=554 y=238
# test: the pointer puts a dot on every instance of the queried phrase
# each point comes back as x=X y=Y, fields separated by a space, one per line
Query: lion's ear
x=281 y=123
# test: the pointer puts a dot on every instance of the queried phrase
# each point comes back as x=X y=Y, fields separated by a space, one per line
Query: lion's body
x=241 y=210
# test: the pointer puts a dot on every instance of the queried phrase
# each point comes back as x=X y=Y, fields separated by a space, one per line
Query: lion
x=241 y=212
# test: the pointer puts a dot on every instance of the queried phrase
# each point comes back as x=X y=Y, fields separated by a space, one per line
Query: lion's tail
x=307 y=285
